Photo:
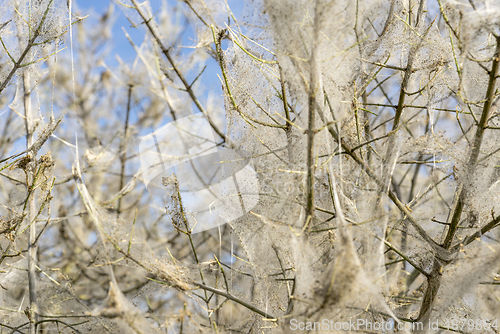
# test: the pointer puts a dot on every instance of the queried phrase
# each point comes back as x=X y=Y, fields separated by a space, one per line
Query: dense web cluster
x=302 y=161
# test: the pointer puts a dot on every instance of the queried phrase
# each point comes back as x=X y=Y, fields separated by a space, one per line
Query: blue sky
x=121 y=45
